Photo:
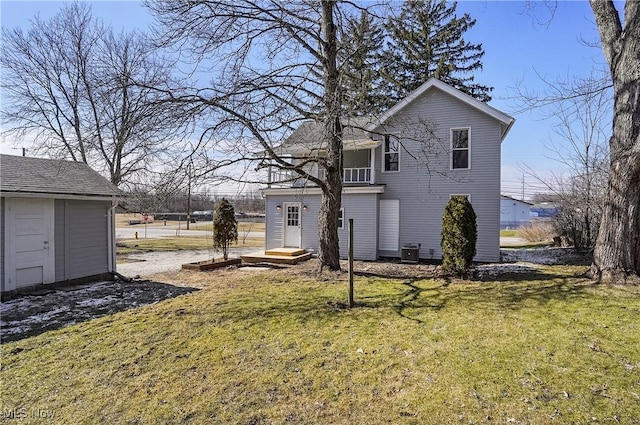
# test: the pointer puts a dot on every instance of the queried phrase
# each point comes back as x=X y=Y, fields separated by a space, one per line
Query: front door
x=29 y=242
x=292 y=228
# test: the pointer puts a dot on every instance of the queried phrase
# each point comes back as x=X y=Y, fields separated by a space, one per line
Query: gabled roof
x=357 y=131
x=505 y=119
x=53 y=177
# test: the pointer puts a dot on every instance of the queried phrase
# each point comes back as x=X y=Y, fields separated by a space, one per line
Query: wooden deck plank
x=264 y=257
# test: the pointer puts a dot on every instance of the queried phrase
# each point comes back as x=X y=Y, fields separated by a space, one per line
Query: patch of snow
x=547 y=256
x=15 y=304
x=496 y=269
x=47 y=315
x=96 y=302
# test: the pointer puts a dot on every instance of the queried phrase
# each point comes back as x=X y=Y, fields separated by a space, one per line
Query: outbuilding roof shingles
x=49 y=176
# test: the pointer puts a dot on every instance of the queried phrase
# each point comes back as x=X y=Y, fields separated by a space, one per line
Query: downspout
x=372 y=165
x=111 y=236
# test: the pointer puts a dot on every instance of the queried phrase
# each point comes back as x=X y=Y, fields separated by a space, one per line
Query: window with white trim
x=460 y=149
x=391 y=154
x=341 y=219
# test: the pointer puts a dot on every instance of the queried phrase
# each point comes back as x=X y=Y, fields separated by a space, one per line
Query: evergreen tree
x=459 y=235
x=360 y=56
x=225 y=227
x=426 y=40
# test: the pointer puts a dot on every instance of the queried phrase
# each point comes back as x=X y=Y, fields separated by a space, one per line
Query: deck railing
x=285 y=178
x=356 y=175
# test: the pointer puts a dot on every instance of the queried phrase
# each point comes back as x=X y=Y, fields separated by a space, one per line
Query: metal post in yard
x=351 y=303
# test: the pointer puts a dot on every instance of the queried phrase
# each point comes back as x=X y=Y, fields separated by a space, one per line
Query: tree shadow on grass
x=507 y=291
x=33 y=314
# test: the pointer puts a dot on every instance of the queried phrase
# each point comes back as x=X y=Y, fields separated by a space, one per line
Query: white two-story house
x=399 y=171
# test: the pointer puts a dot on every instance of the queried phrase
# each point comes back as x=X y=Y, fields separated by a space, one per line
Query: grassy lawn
x=122 y=220
x=508 y=233
x=275 y=348
x=129 y=246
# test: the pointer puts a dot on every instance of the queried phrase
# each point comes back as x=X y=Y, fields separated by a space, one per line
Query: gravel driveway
x=149 y=263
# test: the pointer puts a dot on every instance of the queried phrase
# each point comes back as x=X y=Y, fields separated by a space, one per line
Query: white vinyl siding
x=460 y=148
x=389 y=225
x=361 y=207
x=424 y=184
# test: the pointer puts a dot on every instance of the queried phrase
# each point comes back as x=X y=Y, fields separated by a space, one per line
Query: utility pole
x=350 y=296
x=188 y=195
x=522 y=197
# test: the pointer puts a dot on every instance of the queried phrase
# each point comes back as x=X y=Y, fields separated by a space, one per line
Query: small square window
x=341 y=219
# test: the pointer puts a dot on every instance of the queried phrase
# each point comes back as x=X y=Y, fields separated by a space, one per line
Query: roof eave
x=505 y=119
x=59 y=195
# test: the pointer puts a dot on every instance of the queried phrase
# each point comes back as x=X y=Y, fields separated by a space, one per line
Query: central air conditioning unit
x=410 y=254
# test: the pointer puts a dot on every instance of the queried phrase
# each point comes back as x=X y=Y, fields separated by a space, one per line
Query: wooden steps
x=285 y=252
x=277 y=256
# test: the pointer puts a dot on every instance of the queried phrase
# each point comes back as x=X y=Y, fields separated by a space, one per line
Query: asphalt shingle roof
x=50 y=176
x=309 y=133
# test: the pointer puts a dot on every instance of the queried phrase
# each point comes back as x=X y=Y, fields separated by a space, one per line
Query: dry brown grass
x=537 y=231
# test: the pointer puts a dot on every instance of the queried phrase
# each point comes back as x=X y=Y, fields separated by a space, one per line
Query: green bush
x=225 y=227
x=459 y=235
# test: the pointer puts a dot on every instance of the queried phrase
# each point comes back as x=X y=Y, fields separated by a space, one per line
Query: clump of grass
x=537 y=231
x=508 y=233
x=272 y=347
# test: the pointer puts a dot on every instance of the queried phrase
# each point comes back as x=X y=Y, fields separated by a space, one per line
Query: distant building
x=514 y=213
x=544 y=211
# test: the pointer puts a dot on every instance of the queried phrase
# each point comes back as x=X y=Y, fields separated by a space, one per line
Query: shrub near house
x=459 y=235
x=225 y=227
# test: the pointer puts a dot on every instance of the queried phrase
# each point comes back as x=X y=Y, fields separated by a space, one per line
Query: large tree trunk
x=617 y=250
x=329 y=249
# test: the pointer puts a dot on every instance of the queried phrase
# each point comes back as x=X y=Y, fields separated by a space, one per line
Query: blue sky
x=520 y=45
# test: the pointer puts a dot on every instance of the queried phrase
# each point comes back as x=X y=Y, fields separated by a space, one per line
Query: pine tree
x=360 y=57
x=459 y=235
x=225 y=227
x=426 y=40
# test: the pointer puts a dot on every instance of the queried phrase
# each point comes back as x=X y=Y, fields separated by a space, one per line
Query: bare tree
x=80 y=91
x=580 y=124
x=275 y=64
x=617 y=250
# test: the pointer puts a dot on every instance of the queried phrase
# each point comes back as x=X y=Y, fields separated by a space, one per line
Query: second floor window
x=460 y=148
x=391 y=156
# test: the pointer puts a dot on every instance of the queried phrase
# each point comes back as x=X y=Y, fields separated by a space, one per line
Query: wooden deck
x=277 y=256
